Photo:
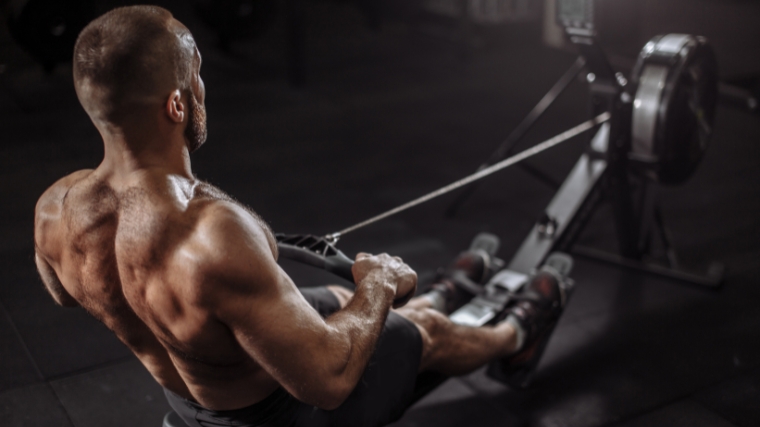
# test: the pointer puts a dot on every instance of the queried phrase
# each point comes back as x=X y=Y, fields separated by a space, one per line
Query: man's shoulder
x=57 y=192
x=228 y=249
x=227 y=232
x=50 y=204
x=217 y=217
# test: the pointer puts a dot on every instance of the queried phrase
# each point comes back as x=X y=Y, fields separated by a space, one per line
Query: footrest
x=483 y=308
x=487 y=242
x=517 y=370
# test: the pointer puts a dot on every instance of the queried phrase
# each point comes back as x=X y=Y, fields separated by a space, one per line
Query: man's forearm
x=361 y=322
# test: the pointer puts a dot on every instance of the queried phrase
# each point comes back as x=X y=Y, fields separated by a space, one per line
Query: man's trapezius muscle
x=187 y=278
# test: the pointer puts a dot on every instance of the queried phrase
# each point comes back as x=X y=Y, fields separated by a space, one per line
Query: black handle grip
x=318 y=252
x=332 y=260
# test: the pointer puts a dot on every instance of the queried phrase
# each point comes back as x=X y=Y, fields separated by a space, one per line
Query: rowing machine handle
x=318 y=252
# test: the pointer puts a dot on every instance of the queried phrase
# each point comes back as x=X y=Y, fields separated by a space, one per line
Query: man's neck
x=128 y=155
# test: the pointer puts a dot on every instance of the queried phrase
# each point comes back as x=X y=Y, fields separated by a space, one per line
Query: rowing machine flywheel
x=676 y=78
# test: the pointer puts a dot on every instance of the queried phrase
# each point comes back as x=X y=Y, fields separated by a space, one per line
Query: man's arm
x=53 y=285
x=47 y=217
x=318 y=361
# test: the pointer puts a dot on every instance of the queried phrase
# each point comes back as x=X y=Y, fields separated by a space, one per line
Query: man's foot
x=465 y=277
x=534 y=315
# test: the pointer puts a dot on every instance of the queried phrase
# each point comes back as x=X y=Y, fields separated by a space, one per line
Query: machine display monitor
x=576 y=13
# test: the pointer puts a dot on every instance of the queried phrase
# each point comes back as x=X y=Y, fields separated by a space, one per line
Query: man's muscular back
x=126 y=255
x=183 y=275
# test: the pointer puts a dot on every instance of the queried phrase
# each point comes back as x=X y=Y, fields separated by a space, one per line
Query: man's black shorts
x=382 y=395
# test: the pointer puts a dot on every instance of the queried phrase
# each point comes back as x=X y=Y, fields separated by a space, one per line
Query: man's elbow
x=324 y=393
x=333 y=394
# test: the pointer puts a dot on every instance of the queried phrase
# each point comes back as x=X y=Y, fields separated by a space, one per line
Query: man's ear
x=175 y=108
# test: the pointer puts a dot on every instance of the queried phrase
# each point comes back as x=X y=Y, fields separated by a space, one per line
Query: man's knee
x=434 y=322
x=342 y=294
x=433 y=325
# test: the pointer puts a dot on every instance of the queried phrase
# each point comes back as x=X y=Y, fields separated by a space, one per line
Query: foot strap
x=486 y=306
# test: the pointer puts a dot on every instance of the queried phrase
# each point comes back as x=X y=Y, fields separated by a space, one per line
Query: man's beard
x=196 y=130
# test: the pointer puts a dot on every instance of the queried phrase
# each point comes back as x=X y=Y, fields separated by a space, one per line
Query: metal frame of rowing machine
x=603 y=172
x=606 y=171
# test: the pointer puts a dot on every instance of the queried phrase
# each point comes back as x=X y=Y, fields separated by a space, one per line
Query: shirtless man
x=187 y=278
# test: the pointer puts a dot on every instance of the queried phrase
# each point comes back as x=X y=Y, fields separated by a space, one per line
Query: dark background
x=393 y=105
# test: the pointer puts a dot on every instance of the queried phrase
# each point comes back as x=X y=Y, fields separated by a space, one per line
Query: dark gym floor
x=385 y=117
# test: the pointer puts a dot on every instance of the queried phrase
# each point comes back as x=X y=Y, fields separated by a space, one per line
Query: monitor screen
x=575 y=13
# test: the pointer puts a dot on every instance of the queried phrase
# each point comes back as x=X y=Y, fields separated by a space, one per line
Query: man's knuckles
x=392 y=265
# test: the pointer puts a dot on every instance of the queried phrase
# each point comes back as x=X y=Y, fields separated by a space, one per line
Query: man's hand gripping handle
x=318 y=252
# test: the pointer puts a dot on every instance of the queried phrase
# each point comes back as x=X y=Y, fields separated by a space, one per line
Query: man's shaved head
x=129 y=57
x=133 y=59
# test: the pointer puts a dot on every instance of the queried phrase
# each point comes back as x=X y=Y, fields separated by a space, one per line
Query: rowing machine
x=654 y=131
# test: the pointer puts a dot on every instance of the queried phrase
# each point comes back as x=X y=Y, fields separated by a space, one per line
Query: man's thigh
x=322 y=299
x=387 y=385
